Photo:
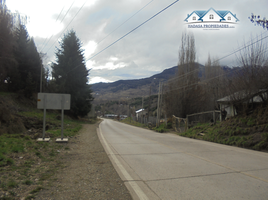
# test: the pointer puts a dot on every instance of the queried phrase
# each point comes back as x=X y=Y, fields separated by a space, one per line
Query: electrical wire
x=201 y=82
x=60 y=22
x=43 y=45
x=68 y=24
x=132 y=30
x=241 y=49
x=176 y=78
x=126 y=34
x=125 y=21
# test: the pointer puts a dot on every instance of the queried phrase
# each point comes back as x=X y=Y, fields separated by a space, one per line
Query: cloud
x=154 y=46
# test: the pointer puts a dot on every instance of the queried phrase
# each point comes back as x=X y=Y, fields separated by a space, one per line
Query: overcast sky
x=148 y=50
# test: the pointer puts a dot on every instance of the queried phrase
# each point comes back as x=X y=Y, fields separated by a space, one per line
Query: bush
x=161 y=128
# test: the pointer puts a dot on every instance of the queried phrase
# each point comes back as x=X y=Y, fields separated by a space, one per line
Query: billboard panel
x=53 y=101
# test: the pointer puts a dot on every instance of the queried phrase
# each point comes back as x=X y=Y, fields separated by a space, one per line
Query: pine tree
x=70 y=74
x=29 y=61
x=7 y=61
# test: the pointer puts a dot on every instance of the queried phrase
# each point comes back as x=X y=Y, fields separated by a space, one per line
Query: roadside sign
x=53 y=101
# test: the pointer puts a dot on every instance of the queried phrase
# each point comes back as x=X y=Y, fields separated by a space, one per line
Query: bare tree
x=213 y=82
x=251 y=80
x=183 y=91
x=253 y=59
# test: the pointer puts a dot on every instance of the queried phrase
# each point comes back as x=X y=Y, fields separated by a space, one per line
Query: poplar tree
x=70 y=74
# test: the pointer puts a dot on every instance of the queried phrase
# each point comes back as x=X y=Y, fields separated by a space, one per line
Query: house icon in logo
x=211 y=16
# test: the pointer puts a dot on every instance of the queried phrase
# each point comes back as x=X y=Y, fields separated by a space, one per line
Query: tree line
x=22 y=70
x=194 y=90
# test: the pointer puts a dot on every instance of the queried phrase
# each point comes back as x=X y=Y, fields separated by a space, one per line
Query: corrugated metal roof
x=139 y=110
x=243 y=95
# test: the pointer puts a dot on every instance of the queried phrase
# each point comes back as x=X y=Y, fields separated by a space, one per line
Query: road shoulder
x=87 y=172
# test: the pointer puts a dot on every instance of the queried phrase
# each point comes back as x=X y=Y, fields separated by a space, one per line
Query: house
x=211 y=15
x=232 y=103
x=140 y=113
x=123 y=117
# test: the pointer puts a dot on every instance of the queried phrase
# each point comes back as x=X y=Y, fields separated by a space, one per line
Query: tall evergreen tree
x=7 y=41
x=70 y=74
x=29 y=63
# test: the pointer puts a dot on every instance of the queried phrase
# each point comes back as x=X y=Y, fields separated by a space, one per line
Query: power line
x=68 y=24
x=125 y=22
x=43 y=45
x=241 y=49
x=133 y=30
x=127 y=33
x=60 y=22
x=207 y=80
x=175 y=78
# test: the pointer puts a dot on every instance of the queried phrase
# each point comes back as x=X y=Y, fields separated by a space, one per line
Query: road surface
x=167 y=166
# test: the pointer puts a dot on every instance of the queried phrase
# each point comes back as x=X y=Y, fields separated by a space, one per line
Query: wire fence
x=203 y=117
x=146 y=120
x=182 y=124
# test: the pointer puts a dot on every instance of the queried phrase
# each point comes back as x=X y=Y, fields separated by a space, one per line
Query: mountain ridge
x=125 y=89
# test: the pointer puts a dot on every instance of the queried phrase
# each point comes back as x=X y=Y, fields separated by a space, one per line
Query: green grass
x=22 y=157
x=36 y=190
x=28 y=182
x=6 y=93
x=229 y=133
x=161 y=129
x=132 y=122
x=30 y=197
x=10 y=144
x=12 y=184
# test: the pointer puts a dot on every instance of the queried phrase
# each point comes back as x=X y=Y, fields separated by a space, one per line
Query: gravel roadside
x=87 y=174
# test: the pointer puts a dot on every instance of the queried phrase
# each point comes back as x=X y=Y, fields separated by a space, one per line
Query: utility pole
x=142 y=115
x=149 y=105
x=161 y=97
x=158 y=105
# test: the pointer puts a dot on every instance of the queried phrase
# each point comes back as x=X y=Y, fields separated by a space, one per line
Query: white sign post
x=56 y=102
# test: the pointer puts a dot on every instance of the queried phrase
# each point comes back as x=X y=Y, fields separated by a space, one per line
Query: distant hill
x=124 y=89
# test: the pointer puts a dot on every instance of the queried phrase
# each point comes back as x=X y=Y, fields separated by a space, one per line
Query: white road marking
x=127 y=176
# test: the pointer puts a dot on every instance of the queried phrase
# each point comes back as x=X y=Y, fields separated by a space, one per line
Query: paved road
x=166 y=166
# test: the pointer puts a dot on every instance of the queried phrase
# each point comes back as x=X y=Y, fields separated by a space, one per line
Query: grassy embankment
x=132 y=122
x=28 y=166
x=161 y=129
x=246 y=131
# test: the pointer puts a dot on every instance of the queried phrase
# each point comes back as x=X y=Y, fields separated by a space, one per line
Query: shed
x=141 y=112
x=230 y=103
